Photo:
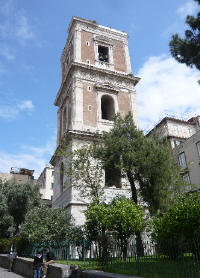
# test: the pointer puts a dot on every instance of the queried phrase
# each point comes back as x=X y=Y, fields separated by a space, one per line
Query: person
x=50 y=259
x=37 y=264
x=12 y=257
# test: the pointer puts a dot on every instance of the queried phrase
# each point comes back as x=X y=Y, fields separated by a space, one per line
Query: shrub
x=179 y=227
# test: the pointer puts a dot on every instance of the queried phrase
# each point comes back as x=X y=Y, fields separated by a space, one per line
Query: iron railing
x=166 y=259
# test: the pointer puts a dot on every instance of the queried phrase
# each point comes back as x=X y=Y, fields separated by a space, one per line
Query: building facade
x=18 y=175
x=97 y=82
x=184 y=137
x=176 y=130
x=46 y=181
x=188 y=156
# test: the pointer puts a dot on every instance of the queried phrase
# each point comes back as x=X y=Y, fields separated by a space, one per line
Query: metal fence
x=166 y=259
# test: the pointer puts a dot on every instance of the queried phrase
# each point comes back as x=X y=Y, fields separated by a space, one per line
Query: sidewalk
x=5 y=274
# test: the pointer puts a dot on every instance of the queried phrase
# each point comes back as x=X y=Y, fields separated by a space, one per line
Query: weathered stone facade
x=190 y=150
x=46 y=180
x=184 y=137
x=97 y=82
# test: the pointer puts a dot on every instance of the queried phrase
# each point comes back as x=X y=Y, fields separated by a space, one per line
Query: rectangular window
x=52 y=185
x=182 y=160
x=186 y=179
x=177 y=143
x=103 y=53
x=52 y=173
x=198 y=147
x=89 y=108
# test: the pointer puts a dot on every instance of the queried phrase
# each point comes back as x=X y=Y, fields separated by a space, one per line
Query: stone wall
x=24 y=267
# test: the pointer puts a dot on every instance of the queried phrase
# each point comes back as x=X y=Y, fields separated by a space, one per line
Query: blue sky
x=32 y=36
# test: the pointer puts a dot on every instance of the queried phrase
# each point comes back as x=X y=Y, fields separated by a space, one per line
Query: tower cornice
x=67 y=137
x=95 y=70
x=95 y=25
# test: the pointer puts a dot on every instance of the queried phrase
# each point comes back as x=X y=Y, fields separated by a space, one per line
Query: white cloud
x=8 y=112
x=188 y=8
x=11 y=111
x=179 y=25
x=15 y=24
x=26 y=105
x=6 y=53
x=166 y=87
x=23 y=28
x=34 y=158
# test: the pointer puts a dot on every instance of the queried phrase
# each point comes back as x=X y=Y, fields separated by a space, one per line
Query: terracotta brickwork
x=89 y=98
x=124 y=103
x=119 y=56
x=87 y=51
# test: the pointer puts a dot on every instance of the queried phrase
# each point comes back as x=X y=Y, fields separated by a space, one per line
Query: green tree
x=187 y=50
x=179 y=227
x=15 y=200
x=181 y=220
x=96 y=226
x=146 y=162
x=86 y=172
x=158 y=175
x=126 y=219
x=43 y=224
x=6 y=220
x=20 y=198
x=121 y=218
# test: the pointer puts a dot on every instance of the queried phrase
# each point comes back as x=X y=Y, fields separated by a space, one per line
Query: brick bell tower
x=97 y=82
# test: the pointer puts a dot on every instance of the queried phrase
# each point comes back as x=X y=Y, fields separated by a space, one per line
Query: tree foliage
x=43 y=224
x=146 y=162
x=6 y=220
x=20 y=199
x=181 y=220
x=125 y=218
x=96 y=221
x=86 y=172
x=187 y=50
x=121 y=218
x=15 y=201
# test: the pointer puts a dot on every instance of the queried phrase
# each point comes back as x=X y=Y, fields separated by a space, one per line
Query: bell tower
x=96 y=83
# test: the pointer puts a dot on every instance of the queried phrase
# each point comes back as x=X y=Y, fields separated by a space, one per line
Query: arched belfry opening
x=107 y=108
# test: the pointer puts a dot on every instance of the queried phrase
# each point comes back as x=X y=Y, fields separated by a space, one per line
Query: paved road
x=5 y=274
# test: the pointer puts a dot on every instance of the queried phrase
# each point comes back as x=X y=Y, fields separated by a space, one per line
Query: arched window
x=112 y=177
x=61 y=177
x=107 y=108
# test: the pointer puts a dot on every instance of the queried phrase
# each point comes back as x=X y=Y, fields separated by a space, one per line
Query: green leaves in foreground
x=121 y=217
x=43 y=224
x=181 y=220
x=187 y=50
